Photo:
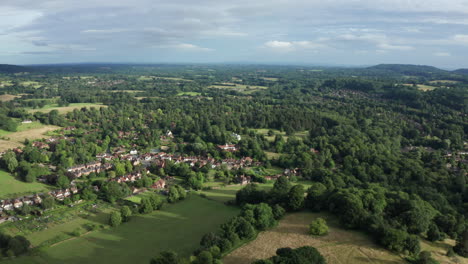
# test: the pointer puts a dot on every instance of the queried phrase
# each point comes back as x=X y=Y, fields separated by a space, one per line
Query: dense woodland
x=385 y=157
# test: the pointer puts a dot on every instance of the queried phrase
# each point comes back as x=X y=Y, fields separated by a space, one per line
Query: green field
x=189 y=94
x=12 y=188
x=65 y=109
x=247 y=89
x=177 y=227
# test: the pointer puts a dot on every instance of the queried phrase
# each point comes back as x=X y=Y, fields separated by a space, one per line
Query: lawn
x=177 y=227
x=339 y=246
x=12 y=188
x=65 y=109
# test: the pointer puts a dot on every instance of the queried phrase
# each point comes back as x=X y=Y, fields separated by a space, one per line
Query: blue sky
x=332 y=32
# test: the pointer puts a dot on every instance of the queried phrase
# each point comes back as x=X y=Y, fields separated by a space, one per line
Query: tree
x=181 y=191
x=165 y=257
x=433 y=234
x=63 y=182
x=18 y=245
x=126 y=213
x=9 y=161
x=295 y=198
x=115 y=219
x=146 y=206
x=173 y=195
x=205 y=257
x=278 y=211
x=48 y=202
x=280 y=190
x=318 y=227
x=425 y=258
x=461 y=248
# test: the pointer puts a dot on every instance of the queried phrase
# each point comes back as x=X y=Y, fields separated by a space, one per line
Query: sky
x=330 y=32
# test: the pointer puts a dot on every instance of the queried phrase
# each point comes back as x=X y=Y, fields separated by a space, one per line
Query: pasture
x=177 y=227
x=34 y=130
x=12 y=188
x=65 y=109
x=339 y=246
x=188 y=94
x=264 y=132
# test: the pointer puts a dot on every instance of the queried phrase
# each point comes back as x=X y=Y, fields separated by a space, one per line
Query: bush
x=115 y=219
x=318 y=227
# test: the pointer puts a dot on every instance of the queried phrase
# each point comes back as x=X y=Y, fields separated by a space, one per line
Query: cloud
x=442 y=54
x=386 y=46
x=286 y=46
x=191 y=47
x=461 y=39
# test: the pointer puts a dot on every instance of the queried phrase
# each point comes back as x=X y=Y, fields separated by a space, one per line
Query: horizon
x=276 y=32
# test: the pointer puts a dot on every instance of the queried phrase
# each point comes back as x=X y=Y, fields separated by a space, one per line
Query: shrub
x=318 y=227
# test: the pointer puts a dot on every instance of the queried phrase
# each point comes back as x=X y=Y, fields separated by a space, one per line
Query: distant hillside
x=461 y=71
x=408 y=69
x=7 y=68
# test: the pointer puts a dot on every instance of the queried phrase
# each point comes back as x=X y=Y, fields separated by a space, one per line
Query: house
x=133 y=152
x=17 y=203
x=27 y=121
x=228 y=147
x=159 y=184
x=236 y=136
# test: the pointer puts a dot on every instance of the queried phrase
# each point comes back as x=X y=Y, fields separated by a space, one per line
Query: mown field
x=34 y=130
x=11 y=187
x=177 y=227
x=65 y=109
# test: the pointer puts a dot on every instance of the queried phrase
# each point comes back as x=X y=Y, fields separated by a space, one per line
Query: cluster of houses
x=228 y=147
x=86 y=169
x=131 y=177
x=36 y=199
x=287 y=172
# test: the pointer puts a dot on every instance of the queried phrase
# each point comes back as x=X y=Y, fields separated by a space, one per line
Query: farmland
x=177 y=227
x=8 y=97
x=17 y=188
x=65 y=109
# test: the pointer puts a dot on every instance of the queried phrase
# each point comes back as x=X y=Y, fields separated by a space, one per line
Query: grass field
x=12 y=188
x=339 y=246
x=264 y=132
x=188 y=94
x=247 y=89
x=271 y=79
x=422 y=87
x=65 y=109
x=150 y=78
x=34 y=130
x=31 y=83
x=177 y=227
x=8 y=97
x=443 y=82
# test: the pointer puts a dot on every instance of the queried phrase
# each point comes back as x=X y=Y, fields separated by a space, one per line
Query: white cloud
x=105 y=31
x=460 y=39
x=190 y=47
x=442 y=54
x=386 y=46
x=287 y=46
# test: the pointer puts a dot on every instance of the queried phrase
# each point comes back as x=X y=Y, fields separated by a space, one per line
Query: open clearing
x=12 y=188
x=188 y=94
x=264 y=132
x=339 y=246
x=444 y=82
x=177 y=227
x=8 y=97
x=31 y=131
x=247 y=89
x=151 y=78
x=65 y=109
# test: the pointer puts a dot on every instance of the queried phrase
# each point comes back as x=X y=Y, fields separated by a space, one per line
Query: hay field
x=340 y=246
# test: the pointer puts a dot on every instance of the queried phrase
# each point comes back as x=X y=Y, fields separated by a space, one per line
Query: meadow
x=339 y=246
x=12 y=188
x=31 y=131
x=8 y=97
x=65 y=109
x=177 y=227
x=246 y=89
